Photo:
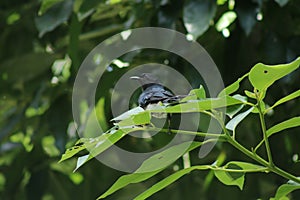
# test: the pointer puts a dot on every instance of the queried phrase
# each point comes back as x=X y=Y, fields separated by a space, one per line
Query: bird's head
x=146 y=80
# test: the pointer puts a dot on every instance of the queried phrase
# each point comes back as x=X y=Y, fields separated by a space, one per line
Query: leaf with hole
x=263 y=76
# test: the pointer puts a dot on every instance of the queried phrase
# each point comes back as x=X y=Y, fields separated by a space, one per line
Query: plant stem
x=237 y=145
x=264 y=130
x=263 y=162
x=203 y=134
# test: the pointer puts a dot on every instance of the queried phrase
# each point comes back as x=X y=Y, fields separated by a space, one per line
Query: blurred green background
x=42 y=44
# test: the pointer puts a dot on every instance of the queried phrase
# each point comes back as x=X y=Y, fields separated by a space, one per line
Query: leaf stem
x=264 y=130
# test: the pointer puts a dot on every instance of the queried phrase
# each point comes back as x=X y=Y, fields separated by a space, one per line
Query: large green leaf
x=197 y=16
x=145 y=171
x=263 y=76
x=96 y=145
x=199 y=105
x=228 y=178
x=135 y=116
x=289 y=97
x=290 y=123
x=167 y=181
x=237 y=175
x=54 y=16
x=284 y=190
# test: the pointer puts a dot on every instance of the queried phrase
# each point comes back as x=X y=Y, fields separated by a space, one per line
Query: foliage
x=233 y=173
x=42 y=45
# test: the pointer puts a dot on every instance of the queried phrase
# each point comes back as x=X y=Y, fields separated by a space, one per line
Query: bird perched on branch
x=153 y=93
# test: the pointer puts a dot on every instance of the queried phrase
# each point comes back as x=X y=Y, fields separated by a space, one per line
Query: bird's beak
x=135 y=77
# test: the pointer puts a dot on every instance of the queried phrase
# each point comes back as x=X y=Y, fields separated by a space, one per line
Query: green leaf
x=125 y=180
x=81 y=160
x=79 y=146
x=135 y=116
x=166 y=157
x=233 y=87
x=96 y=145
x=232 y=124
x=236 y=178
x=46 y=4
x=102 y=144
x=282 y=3
x=53 y=17
x=128 y=114
x=284 y=190
x=87 y=8
x=226 y=19
x=233 y=110
x=195 y=94
x=197 y=16
x=167 y=181
x=199 y=105
x=263 y=76
x=289 y=97
x=290 y=123
x=250 y=94
x=143 y=172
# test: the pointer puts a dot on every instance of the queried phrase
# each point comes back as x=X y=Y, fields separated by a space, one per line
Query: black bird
x=153 y=93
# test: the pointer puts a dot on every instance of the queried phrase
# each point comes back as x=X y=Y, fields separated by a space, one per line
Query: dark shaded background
x=35 y=94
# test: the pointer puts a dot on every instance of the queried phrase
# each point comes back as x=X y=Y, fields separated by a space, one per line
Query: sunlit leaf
x=135 y=116
x=233 y=87
x=101 y=144
x=236 y=178
x=289 y=97
x=226 y=19
x=290 y=123
x=285 y=189
x=263 y=76
x=199 y=105
x=145 y=172
x=250 y=94
x=128 y=113
x=79 y=146
x=195 y=94
x=232 y=124
x=233 y=110
x=167 y=181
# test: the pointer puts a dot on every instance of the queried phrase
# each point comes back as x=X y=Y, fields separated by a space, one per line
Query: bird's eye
x=265 y=71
